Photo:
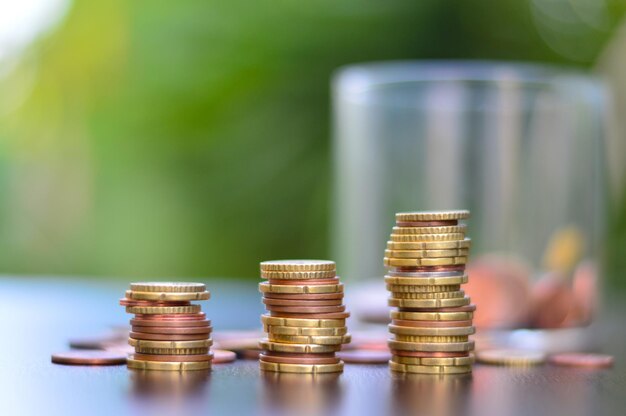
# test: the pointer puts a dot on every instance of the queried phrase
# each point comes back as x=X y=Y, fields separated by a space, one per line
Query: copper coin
x=304 y=282
x=174 y=358
x=432 y=324
x=576 y=359
x=299 y=303
x=451 y=268
x=365 y=356
x=223 y=356
x=306 y=309
x=250 y=354
x=433 y=354
x=170 y=323
x=300 y=355
x=172 y=331
x=468 y=308
x=173 y=317
x=321 y=296
x=89 y=358
x=339 y=315
x=162 y=337
x=133 y=302
x=426 y=223
x=309 y=359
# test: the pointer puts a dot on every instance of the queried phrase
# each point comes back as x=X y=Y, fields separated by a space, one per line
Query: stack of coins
x=168 y=332
x=306 y=323
x=426 y=258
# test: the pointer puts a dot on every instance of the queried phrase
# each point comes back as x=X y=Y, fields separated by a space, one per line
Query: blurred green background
x=157 y=138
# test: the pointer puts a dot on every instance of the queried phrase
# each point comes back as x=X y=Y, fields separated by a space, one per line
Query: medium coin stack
x=426 y=258
x=306 y=323
x=168 y=332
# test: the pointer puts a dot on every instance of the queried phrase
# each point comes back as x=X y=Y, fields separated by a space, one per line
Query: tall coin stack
x=168 y=332
x=426 y=258
x=306 y=323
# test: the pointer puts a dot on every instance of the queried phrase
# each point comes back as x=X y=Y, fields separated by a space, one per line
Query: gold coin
x=199 y=343
x=429 y=369
x=511 y=357
x=432 y=215
x=437 y=361
x=446 y=331
x=162 y=310
x=430 y=230
x=317 y=340
x=301 y=368
x=431 y=346
x=413 y=238
x=430 y=295
x=429 y=303
x=167 y=366
x=304 y=331
x=298 y=266
x=301 y=322
x=418 y=254
x=168 y=287
x=298 y=275
x=430 y=245
x=431 y=316
x=427 y=339
x=167 y=296
x=300 y=289
x=426 y=281
x=172 y=351
x=422 y=289
x=424 y=262
x=267 y=345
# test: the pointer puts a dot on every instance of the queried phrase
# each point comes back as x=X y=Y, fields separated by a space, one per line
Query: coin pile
x=426 y=258
x=306 y=323
x=168 y=332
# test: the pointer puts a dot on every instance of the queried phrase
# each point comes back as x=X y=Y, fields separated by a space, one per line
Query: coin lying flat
x=438 y=361
x=306 y=309
x=174 y=357
x=432 y=324
x=272 y=288
x=456 y=294
x=317 y=340
x=200 y=343
x=299 y=303
x=223 y=356
x=301 y=368
x=414 y=238
x=170 y=323
x=431 y=316
x=165 y=337
x=163 y=310
x=429 y=303
x=312 y=323
x=303 y=296
x=511 y=357
x=167 y=296
x=433 y=215
x=305 y=331
x=88 y=357
x=298 y=275
x=430 y=230
x=167 y=287
x=430 y=245
x=573 y=359
x=173 y=330
x=297 y=266
x=442 y=332
x=418 y=254
x=423 y=288
x=167 y=366
x=429 y=346
x=172 y=351
x=299 y=358
x=429 y=369
x=426 y=281
x=431 y=339
x=440 y=261
x=297 y=348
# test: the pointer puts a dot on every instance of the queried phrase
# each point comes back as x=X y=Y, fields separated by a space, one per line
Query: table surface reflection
x=38 y=315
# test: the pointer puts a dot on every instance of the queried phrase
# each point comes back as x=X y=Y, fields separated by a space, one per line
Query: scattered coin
x=223 y=356
x=582 y=360
x=84 y=357
x=511 y=357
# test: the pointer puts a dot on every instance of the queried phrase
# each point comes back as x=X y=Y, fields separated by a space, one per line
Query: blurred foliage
x=157 y=138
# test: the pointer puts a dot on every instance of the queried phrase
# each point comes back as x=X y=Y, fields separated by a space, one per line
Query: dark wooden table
x=38 y=315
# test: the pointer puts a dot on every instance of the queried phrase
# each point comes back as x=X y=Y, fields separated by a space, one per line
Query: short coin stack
x=306 y=323
x=426 y=258
x=168 y=332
